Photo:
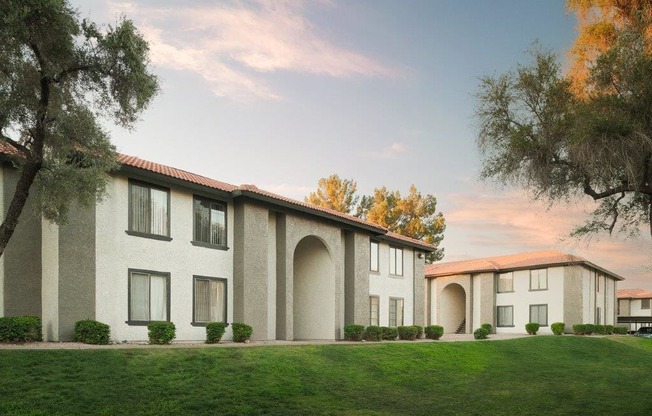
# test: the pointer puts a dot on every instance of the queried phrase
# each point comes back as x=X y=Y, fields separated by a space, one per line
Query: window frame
x=167 y=277
x=539 y=288
x=195 y=322
x=389 y=322
x=648 y=303
x=199 y=243
x=511 y=279
x=498 y=308
x=539 y=305
x=371 y=249
x=394 y=272
x=130 y=214
x=371 y=310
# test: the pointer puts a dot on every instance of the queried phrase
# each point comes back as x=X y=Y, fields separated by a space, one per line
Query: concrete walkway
x=230 y=344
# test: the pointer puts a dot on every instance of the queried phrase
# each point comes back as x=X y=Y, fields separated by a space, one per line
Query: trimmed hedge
x=353 y=332
x=408 y=333
x=558 y=328
x=20 y=329
x=600 y=329
x=389 y=333
x=161 y=333
x=90 y=331
x=532 y=328
x=488 y=327
x=434 y=331
x=609 y=329
x=590 y=329
x=373 y=333
x=480 y=333
x=241 y=332
x=579 y=329
x=419 y=330
x=621 y=330
x=215 y=331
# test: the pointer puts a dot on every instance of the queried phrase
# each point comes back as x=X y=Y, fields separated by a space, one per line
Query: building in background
x=634 y=308
x=510 y=291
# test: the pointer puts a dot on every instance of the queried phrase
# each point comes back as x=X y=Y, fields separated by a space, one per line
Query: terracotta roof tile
x=8 y=149
x=413 y=241
x=633 y=294
x=508 y=262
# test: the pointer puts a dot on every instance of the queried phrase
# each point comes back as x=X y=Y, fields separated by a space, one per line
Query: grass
x=540 y=375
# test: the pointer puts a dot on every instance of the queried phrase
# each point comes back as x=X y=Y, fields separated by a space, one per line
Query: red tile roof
x=509 y=262
x=633 y=294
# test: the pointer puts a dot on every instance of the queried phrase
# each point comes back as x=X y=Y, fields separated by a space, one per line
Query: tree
x=59 y=77
x=335 y=193
x=414 y=216
x=535 y=131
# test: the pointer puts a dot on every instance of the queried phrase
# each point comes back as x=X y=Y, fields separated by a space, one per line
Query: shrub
x=434 y=331
x=419 y=330
x=558 y=328
x=89 y=331
x=532 y=328
x=579 y=329
x=373 y=333
x=389 y=333
x=621 y=330
x=480 y=333
x=215 y=331
x=407 y=333
x=241 y=332
x=590 y=329
x=488 y=327
x=600 y=329
x=161 y=332
x=20 y=329
x=353 y=332
x=609 y=329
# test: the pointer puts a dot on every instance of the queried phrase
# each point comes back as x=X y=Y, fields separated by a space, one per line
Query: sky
x=282 y=93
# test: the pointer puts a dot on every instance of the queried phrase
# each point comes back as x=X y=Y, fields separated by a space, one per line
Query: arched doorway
x=452 y=308
x=313 y=291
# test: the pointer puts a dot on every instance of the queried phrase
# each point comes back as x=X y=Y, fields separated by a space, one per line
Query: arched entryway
x=313 y=291
x=452 y=308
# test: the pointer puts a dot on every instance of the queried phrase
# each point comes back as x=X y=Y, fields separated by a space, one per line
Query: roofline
x=399 y=241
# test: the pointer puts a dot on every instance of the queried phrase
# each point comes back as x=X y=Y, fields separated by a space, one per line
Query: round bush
x=558 y=328
x=373 y=333
x=89 y=331
x=579 y=329
x=480 y=333
x=161 y=332
x=353 y=332
x=389 y=333
x=488 y=327
x=590 y=329
x=434 y=331
x=609 y=329
x=407 y=333
x=419 y=330
x=20 y=329
x=532 y=328
x=215 y=331
x=241 y=332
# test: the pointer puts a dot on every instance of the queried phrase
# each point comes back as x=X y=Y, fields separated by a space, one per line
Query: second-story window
x=373 y=256
x=396 y=261
x=209 y=221
x=149 y=211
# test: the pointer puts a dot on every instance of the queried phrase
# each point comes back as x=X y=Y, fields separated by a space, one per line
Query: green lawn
x=539 y=375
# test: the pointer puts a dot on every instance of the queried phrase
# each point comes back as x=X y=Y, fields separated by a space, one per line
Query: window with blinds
x=210 y=299
x=148 y=296
x=209 y=221
x=149 y=209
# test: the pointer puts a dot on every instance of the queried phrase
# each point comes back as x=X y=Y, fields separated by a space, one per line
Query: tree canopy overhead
x=59 y=76
x=540 y=131
x=335 y=193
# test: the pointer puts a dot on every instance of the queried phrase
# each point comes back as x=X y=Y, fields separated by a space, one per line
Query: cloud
x=233 y=45
x=390 y=152
x=489 y=224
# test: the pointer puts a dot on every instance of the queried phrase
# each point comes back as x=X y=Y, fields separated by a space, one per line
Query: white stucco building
x=634 y=308
x=510 y=291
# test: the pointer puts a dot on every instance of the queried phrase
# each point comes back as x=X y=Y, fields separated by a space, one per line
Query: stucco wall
x=574 y=296
x=445 y=306
x=356 y=278
x=117 y=252
x=50 y=287
x=385 y=285
x=636 y=310
x=418 y=297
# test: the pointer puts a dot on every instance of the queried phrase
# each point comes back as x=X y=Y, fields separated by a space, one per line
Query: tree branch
x=614 y=209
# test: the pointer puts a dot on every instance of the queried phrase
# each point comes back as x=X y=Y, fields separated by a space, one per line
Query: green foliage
x=621 y=330
x=335 y=193
x=579 y=329
x=20 y=329
x=488 y=327
x=389 y=333
x=600 y=329
x=434 y=331
x=419 y=330
x=558 y=328
x=241 y=332
x=408 y=333
x=373 y=333
x=89 y=331
x=609 y=329
x=480 y=333
x=532 y=328
x=353 y=332
x=589 y=329
x=161 y=333
x=215 y=331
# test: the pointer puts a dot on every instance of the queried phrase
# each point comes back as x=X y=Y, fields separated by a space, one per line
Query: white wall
x=636 y=309
x=117 y=252
x=523 y=297
x=384 y=285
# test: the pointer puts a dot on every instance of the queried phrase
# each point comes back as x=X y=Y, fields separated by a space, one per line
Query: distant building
x=510 y=291
x=634 y=308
